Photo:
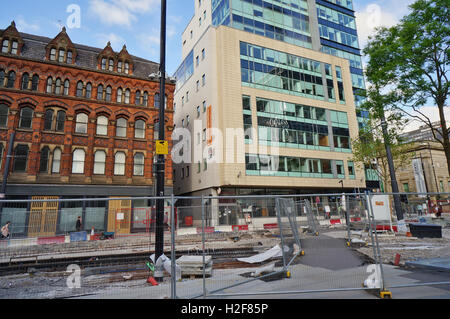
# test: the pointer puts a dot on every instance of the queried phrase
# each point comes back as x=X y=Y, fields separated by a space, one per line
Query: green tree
x=409 y=63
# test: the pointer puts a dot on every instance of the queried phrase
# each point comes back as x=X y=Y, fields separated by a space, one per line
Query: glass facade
x=278 y=71
x=185 y=70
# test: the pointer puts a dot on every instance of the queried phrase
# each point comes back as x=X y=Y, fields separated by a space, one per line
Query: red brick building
x=84 y=122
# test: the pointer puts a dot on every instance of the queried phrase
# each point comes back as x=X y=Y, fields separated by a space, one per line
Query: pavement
x=329 y=270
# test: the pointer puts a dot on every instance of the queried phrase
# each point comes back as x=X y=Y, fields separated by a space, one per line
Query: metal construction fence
x=223 y=246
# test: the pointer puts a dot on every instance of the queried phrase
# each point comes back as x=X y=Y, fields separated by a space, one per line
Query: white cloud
x=24 y=26
x=117 y=41
x=430 y=112
x=379 y=13
x=121 y=12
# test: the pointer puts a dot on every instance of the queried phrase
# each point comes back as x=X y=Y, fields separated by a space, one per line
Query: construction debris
x=195 y=265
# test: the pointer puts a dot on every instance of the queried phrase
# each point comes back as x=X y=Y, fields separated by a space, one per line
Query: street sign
x=162 y=147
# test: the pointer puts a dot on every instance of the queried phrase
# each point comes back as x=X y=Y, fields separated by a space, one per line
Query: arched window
x=26 y=117
x=99 y=162
x=80 y=89
x=4 y=111
x=108 y=93
x=49 y=88
x=56 y=163
x=2 y=77
x=121 y=127
x=48 y=120
x=119 y=163
x=102 y=125
x=100 y=92
x=127 y=96
x=11 y=79
x=43 y=165
x=25 y=81
x=35 y=82
x=81 y=123
x=78 y=161
x=58 y=85
x=139 y=129
x=88 y=90
x=156 y=131
x=119 y=95
x=66 y=87
x=53 y=54
x=60 y=121
x=145 y=99
x=127 y=68
x=20 y=158
x=156 y=101
x=138 y=169
x=138 y=98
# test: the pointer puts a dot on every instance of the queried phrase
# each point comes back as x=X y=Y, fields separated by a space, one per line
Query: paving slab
x=439 y=264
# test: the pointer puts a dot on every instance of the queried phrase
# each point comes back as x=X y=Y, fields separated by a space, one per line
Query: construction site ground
x=130 y=280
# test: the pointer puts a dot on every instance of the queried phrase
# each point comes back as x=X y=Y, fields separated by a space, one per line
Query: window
x=103 y=66
x=66 y=87
x=79 y=89
x=34 y=82
x=137 y=99
x=5 y=46
x=56 y=163
x=48 y=120
x=99 y=162
x=60 y=121
x=2 y=77
x=127 y=67
x=4 y=110
x=25 y=81
x=119 y=67
x=139 y=129
x=69 y=57
x=11 y=79
x=26 y=117
x=121 y=127
x=102 y=125
x=78 y=161
x=61 y=55
x=111 y=65
x=100 y=92
x=53 y=54
x=156 y=101
x=81 y=123
x=58 y=86
x=88 y=90
x=198 y=111
x=156 y=131
x=108 y=93
x=138 y=169
x=14 y=47
x=203 y=80
x=127 y=96
x=145 y=100
x=119 y=95
x=49 y=88
x=20 y=158
x=119 y=164
x=406 y=187
x=203 y=54
x=43 y=165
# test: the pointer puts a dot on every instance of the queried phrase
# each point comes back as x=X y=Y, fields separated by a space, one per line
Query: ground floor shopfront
x=52 y=210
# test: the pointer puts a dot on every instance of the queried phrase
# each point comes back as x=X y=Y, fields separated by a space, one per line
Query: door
x=119 y=216
x=43 y=217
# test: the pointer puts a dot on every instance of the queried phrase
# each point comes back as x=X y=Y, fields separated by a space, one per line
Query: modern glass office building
x=285 y=73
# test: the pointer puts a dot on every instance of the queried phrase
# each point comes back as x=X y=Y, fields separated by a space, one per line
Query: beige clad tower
x=260 y=111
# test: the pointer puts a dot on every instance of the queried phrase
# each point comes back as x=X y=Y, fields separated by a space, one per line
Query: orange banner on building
x=209 y=124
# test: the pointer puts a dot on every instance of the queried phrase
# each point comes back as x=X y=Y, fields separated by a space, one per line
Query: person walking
x=5 y=230
x=78 y=224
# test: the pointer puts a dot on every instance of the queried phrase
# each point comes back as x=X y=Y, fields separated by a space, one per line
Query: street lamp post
x=160 y=164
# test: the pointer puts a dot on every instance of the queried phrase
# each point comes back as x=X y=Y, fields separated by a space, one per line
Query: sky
x=136 y=23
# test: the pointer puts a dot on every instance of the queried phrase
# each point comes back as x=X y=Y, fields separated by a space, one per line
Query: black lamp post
x=160 y=164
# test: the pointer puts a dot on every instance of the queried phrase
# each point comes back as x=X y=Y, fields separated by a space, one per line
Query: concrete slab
x=439 y=264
